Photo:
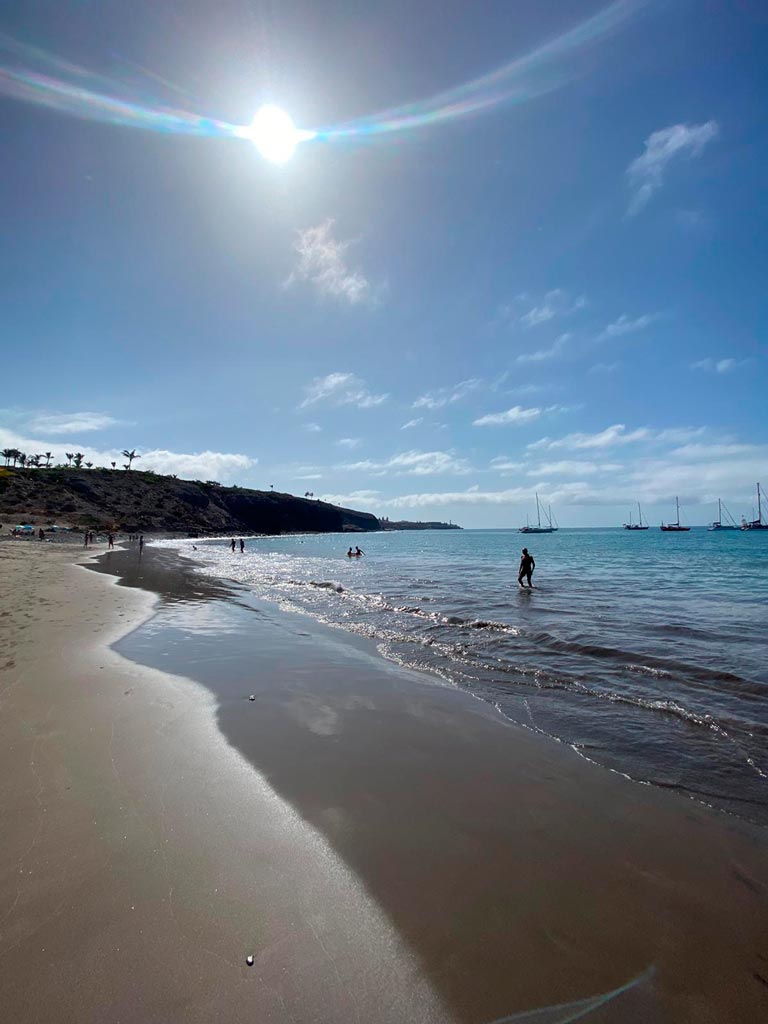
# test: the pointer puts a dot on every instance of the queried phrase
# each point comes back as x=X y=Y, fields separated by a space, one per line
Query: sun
x=274 y=134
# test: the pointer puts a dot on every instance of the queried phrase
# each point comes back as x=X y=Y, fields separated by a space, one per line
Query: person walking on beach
x=141 y=543
x=242 y=545
x=527 y=565
x=232 y=545
x=111 y=540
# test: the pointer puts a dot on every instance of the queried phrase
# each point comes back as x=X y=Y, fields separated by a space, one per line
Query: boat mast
x=640 y=514
x=719 y=513
x=677 y=506
x=538 y=510
x=759 y=506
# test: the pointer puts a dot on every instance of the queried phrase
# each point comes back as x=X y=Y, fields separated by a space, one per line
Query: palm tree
x=22 y=459
x=113 y=465
x=14 y=453
x=6 y=453
x=48 y=456
x=89 y=465
x=33 y=460
x=130 y=455
x=77 y=459
x=70 y=456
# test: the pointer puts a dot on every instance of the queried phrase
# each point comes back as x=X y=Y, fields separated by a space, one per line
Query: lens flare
x=275 y=135
x=32 y=75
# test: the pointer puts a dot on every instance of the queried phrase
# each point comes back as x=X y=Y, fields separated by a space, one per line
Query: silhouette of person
x=111 y=540
x=350 y=554
x=242 y=545
x=232 y=545
x=358 y=552
x=527 y=565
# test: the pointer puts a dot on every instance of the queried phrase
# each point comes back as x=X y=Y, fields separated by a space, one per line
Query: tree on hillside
x=13 y=455
x=114 y=465
x=130 y=455
x=7 y=454
x=22 y=459
x=70 y=456
x=89 y=465
x=48 y=456
x=77 y=459
x=34 y=461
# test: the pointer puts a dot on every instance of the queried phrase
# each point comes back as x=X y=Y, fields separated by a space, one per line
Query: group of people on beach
x=357 y=553
x=233 y=545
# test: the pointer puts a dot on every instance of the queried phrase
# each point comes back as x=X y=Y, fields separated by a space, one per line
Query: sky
x=519 y=248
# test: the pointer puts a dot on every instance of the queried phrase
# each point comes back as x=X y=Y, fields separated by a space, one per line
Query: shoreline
x=461 y=824
x=147 y=859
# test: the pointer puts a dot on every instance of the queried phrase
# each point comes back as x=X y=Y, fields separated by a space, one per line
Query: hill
x=140 y=502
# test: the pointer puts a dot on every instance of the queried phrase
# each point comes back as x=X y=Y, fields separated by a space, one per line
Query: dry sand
x=499 y=871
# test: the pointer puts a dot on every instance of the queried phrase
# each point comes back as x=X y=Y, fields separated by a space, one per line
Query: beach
x=385 y=848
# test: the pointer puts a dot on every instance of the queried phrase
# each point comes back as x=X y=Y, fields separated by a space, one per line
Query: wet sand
x=442 y=865
x=520 y=875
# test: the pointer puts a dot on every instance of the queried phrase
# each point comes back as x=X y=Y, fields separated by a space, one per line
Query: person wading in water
x=527 y=565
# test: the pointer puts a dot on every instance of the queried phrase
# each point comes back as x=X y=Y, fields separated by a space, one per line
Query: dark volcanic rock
x=137 y=501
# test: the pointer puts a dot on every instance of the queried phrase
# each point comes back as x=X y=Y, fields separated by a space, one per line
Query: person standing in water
x=527 y=565
x=242 y=545
x=350 y=554
x=232 y=545
x=358 y=552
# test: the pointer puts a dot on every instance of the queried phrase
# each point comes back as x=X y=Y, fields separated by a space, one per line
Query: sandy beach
x=386 y=849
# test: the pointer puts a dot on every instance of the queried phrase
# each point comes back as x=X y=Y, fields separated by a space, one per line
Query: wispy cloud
x=571 y=468
x=646 y=173
x=322 y=261
x=70 y=423
x=341 y=389
x=604 y=368
x=412 y=423
x=718 y=365
x=544 y=354
x=349 y=442
x=313 y=428
x=616 y=434
x=515 y=416
x=529 y=312
x=412 y=463
x=626 y=325
x=441 y=397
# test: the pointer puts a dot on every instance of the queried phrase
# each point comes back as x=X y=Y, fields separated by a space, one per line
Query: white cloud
x=626 y=325
x=447 y=396
x=604 y=368
x=412 y=423
x=608 y=438
x=553 y=303
x=718 y=365
x=572 y=467
x=313 y=428
x=349 y=442
x=502 y=464
x=412 y=463
x=341 y=389
x=517 y=415
x=545 y=353
x=70 y=423
x=646 y=174
x=322 y=261
x=205 y=465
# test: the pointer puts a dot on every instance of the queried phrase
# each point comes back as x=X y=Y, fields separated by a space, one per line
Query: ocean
x=644 y=652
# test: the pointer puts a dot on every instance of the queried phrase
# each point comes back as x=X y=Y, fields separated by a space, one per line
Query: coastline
x=498 y=872
x=145 y=859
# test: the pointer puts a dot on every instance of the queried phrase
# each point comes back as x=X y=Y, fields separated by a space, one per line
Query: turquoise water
x=645 y=652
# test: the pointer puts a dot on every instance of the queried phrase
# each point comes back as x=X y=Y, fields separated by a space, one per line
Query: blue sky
x=560 y=291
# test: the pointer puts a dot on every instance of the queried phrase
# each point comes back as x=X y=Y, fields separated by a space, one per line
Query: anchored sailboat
x=675 y=527
x=640 y=525
x=539 y=528
x=756 y=524
x=719 y=524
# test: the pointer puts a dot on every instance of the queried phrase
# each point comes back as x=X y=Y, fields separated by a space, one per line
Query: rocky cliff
x=138 y=502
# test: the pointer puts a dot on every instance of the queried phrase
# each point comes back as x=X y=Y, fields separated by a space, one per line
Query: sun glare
x=274 y=134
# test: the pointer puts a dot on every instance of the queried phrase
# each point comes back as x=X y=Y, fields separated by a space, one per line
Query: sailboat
x=539 y=528
x=719 y=524
x=636 y=526
x=675 y=527
x=756 y=524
